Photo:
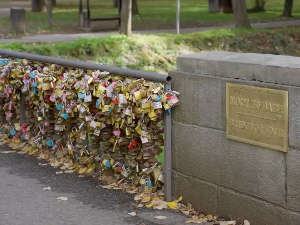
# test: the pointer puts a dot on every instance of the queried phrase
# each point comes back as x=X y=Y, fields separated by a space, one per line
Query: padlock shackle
x=161 y=78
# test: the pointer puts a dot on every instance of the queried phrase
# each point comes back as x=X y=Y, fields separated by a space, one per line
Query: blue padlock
x=81 y=95
x=158 y=99
x=59 y=107
x=3 y=62
x=65 y=116
x=49 y=143
x=148 y=183
x=98 y=102
x=107 y=163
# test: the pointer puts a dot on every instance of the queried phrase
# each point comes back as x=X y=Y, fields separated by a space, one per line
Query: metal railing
x=164 y=79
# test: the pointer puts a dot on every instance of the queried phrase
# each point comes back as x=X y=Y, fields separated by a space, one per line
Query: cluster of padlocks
x=111 y=122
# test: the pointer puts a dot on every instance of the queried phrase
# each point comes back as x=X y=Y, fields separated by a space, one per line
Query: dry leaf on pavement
x=62 y=198
x=160 y=217
x=132 y=214
x=6 y=152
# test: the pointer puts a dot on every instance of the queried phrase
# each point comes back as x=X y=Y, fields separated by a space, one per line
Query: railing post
x=167 y=151
x=22 y=108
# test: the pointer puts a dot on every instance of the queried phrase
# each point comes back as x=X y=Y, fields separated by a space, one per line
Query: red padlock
x=133 y=144
x=116 y=101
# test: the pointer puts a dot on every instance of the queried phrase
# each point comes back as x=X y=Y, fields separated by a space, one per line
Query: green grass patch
x=158 y=53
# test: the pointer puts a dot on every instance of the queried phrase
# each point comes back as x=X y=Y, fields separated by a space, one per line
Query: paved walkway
x=24 y=202
x=72 y=37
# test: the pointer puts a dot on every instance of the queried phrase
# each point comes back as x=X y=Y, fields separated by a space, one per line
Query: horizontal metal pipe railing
x=89 y=66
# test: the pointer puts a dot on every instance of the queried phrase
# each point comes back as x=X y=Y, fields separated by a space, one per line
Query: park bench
x=85 y=18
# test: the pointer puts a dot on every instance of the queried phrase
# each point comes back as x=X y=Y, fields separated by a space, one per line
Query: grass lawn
x=154 y=14
x=158 y=53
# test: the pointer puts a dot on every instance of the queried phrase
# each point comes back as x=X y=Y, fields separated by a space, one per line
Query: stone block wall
x=225 y=177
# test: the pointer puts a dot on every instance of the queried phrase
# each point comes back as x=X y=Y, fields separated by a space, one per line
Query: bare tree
x=258 y=7
x=126 y=17
x=226 y=6
x=288 y=8
x=135 y=9
x=240 y=14
x=53 y=3
x=38 y=5
x=116 y=3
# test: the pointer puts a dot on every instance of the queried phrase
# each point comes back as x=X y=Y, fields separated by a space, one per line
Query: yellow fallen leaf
x=149 y=205
x=146 y=199
x=82 y=170
x=172 y=205
x=179 y=199
x=89 y=170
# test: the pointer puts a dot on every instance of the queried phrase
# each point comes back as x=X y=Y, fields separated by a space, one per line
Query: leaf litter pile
x=149 y=200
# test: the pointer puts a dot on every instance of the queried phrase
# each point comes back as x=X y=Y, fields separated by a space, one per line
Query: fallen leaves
x=132 y=214
x=47 y=188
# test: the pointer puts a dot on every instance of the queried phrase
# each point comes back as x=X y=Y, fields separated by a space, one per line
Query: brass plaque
x=257 y=116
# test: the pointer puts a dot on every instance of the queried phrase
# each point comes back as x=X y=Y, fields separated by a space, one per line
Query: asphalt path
x=24 y=202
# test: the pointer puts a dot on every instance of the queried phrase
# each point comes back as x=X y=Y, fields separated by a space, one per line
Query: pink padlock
x=10 y=106
x=43 y=131
x=9 y=115
x=9 y=90
x=47 y=123
x=52 y=98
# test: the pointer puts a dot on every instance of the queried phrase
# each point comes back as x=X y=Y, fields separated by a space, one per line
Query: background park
x=155 y=49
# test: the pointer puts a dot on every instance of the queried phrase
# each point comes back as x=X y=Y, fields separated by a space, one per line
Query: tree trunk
x=115 y=3
x=38 y=5
x=226 y=6
x=126 y=17
x=288 y=8
x=240 y=14
x=53 y=3
x=49 y=12
x=258 y=7
x=135 y=9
